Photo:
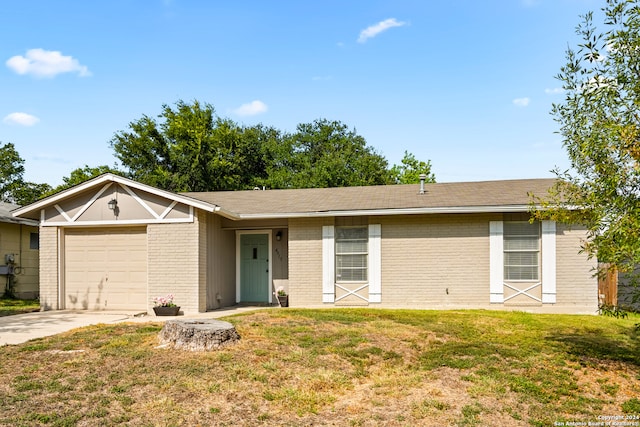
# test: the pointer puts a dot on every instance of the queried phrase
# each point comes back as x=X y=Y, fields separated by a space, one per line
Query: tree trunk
x=198 y=335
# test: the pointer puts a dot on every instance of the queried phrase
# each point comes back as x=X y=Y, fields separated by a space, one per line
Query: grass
x=11 y=306
x=352 y=367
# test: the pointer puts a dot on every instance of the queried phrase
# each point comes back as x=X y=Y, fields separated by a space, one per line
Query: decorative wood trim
x=375 y=263
x=496 y=262
x=173 y=204
x=116 y=222
x=522 y=292
x=63 y=213
x=91 y=201
x=140 y=201
x=328 y=264
x=352 y=292
x=548 y=262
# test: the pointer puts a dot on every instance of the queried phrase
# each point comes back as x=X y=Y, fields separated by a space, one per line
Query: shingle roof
x=484 y=196
x=6 y=216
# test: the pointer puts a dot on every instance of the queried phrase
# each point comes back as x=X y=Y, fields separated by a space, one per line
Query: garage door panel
x=106 y=268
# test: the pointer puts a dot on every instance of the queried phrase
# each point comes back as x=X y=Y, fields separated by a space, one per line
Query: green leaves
x=13 y=187
x=600 y=126
x=191 y=149
x=410 y=170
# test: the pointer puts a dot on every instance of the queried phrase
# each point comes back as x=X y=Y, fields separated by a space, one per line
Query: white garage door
x=105 y=268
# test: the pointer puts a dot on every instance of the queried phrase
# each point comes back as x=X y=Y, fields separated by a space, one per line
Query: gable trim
x=108 y=179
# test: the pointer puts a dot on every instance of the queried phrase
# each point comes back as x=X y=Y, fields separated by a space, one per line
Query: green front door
x=254 y=268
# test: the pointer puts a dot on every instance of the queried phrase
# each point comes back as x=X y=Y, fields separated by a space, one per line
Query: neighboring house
x=112 y=243
x=18 y=254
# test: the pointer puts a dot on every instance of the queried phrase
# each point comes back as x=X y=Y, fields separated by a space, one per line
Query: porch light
x=279 y=236
x=112 y=204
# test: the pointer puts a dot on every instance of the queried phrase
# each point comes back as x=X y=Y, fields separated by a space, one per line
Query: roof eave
x=381 y=212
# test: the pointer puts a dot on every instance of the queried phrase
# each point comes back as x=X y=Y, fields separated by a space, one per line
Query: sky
x=466 y=84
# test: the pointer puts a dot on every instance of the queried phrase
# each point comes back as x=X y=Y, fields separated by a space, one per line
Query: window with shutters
x=351 y=254
x=521 y=251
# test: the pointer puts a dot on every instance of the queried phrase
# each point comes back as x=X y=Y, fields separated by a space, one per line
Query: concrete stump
x=198 y=335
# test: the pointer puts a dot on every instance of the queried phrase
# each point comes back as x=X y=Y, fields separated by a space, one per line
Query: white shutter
x=375 y=263
x=328 y=263
x=496 y=262
x=548 y=262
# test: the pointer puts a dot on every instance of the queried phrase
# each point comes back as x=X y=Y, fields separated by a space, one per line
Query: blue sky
x=466 y=84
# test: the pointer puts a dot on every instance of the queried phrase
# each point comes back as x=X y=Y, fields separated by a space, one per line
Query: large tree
x=189 y=149
x=326 y=153
x=13 y=187
x=600 y=125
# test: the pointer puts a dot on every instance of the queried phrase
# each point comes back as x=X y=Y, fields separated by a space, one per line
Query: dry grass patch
x=332 y=367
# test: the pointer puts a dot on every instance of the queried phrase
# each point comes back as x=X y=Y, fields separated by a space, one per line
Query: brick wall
x=438 y=261
x=175 y=264
x=49 y=268
x=577 y=288
x=435 y=261
x=305 y=261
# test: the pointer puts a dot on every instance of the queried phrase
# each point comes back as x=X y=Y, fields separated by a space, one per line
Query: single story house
x=115 y=244
x=19 y=254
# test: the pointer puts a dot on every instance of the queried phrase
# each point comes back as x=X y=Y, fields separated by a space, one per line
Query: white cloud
x=521 y=102
x=554 y=91
x=376 y=29
x=252 y=108
x=22 y=119
x=46 y=63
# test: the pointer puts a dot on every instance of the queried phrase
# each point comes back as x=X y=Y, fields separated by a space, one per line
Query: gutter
x=376 y=212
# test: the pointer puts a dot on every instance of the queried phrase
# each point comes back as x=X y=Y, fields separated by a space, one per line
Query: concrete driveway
x=21 y=328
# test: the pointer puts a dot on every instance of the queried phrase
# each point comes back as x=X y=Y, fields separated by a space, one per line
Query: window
x=34 y=241
x=351 y=254
x=521 y=251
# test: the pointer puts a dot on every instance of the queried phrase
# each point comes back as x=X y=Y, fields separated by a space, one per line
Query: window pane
x=34 y=241
x=351 y=253
x=521 y=251
x=351 y=233
x=351 y=246
x=352 y=275
x=521 y=273
x=521 y=258
x=521 y=243
x=521 y=229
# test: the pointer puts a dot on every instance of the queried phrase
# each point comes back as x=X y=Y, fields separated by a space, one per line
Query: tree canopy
x=187 y=147
x=410 y=169
x=13 y=187
x=600 y=126
x=191 y=149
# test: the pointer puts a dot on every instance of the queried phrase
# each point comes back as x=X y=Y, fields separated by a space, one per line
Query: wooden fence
x=608 y=285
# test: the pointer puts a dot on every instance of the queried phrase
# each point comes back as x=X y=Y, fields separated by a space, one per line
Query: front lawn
x=10 y=306
x=351 y=367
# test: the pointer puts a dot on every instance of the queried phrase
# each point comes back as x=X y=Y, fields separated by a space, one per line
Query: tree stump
x=198 y=335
